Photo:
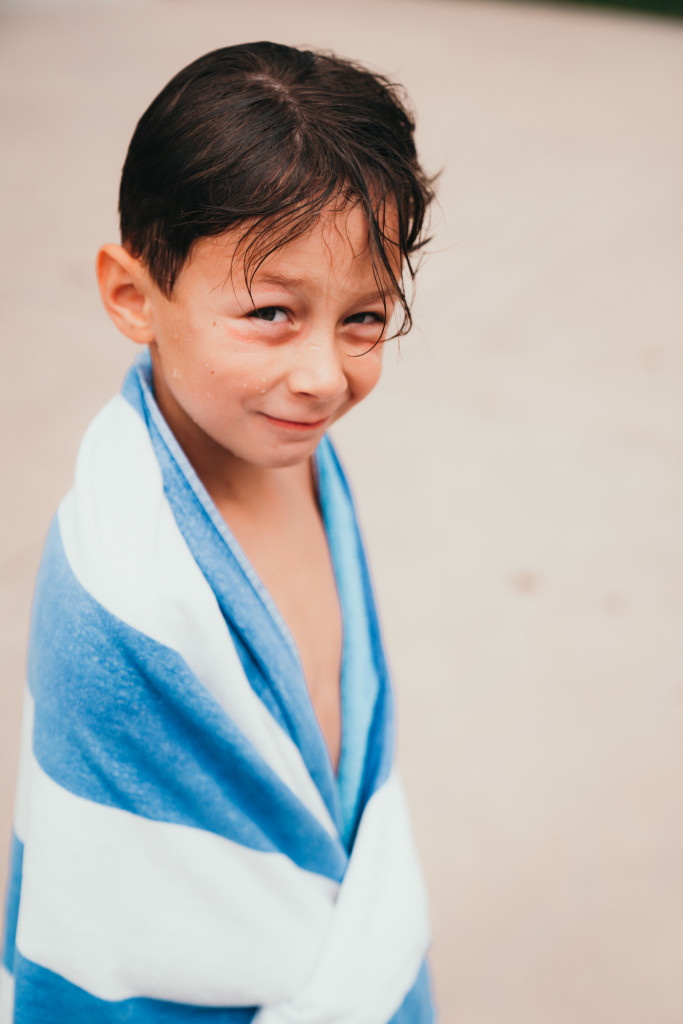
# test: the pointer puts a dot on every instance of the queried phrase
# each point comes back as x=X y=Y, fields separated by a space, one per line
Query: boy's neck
x=254 y=490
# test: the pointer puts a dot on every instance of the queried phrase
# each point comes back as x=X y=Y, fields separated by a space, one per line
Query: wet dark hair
x=266 y=136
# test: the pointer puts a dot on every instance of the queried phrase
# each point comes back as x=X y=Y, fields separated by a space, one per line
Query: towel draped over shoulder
x=182 y=849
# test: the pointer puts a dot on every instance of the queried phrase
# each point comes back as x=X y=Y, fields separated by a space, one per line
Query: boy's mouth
x=302 y=425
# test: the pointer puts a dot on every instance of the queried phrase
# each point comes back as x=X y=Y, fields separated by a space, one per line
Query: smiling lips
x=296 y=424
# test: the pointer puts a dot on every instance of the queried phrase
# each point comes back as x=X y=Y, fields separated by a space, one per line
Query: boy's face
x=256 y=380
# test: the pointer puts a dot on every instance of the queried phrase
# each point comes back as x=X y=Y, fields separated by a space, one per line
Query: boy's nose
x=317 y=370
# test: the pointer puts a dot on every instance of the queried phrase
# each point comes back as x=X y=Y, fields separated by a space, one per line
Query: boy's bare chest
x=292 y=559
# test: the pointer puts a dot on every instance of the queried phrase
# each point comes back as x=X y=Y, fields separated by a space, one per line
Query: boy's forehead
x=337 y=240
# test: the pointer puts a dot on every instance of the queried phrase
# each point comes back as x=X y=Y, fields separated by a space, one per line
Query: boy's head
x=263 y=138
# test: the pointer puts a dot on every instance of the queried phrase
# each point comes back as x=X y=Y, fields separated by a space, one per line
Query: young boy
x=209 y=824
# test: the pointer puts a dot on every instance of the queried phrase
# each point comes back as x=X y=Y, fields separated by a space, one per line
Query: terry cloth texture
x=182 y=848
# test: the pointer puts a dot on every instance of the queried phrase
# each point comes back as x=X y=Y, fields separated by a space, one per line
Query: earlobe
x=125 y=287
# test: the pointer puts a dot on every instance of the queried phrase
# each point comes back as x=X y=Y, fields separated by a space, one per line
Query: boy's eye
x=271 y=314
x=365 y=318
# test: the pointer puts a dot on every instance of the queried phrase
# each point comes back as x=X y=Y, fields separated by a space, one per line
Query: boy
x=208 y=823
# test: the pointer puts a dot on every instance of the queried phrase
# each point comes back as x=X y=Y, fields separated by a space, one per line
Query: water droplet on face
x=263 y=391
x=175 y=373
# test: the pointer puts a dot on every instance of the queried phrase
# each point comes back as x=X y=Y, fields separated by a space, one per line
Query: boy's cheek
x=374 y=366
x=362 y=383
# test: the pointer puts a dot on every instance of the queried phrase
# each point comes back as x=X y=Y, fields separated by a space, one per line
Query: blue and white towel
x=182 y=848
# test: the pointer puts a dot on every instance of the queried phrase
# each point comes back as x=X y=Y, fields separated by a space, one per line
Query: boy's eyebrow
x=287 y=281
x=391 y=294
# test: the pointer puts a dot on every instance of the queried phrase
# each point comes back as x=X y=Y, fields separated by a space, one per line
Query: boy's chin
x=286 y=458
x=291 y=459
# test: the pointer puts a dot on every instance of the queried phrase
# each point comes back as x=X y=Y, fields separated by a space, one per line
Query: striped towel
x=182 y=848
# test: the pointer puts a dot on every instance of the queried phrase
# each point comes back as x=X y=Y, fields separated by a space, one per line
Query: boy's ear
x=126 y=289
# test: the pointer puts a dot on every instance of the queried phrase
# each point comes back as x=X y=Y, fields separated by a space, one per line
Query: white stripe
x=126 y=549
x=6 y=996
x=123 y=906
x=380 y=931
x=21 y=803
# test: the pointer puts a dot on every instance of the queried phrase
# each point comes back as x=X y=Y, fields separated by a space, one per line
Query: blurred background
x=519 y=471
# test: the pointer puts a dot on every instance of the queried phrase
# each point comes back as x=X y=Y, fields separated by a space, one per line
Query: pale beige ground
x=519 y=471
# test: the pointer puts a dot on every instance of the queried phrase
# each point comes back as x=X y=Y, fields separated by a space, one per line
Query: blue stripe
x=42 y=997
x=16 y=863
x=379 y=758
x=371 y=666
x=417 y=1007
x=263 y=641
x=362 y=678
x=121 y=720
